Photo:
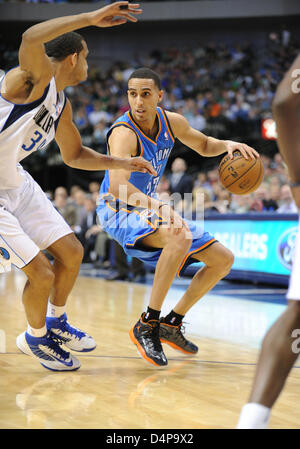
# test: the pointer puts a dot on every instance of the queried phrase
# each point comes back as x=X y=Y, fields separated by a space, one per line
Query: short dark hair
x=64 y=45
x=146 y=73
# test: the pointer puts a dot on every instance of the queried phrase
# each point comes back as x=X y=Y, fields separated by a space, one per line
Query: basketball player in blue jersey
x=280 y=347
x=151 y=230
x=34 y=111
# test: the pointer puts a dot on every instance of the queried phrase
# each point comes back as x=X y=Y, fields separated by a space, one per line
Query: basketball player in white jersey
x=280 y=347
x=34 y=111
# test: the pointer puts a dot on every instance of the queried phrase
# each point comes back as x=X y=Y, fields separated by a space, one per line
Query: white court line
x=253 y=291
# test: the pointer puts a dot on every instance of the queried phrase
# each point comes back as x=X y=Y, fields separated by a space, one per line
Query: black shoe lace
x=154 y=330
x=55 y=342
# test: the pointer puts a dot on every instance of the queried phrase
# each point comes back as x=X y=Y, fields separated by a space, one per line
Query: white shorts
x=28 y=223
x=294 y=283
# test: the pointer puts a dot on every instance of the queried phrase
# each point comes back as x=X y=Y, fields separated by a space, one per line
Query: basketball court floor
x=115 y=388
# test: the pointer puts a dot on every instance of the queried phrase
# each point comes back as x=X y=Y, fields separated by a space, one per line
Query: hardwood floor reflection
x=115 y=388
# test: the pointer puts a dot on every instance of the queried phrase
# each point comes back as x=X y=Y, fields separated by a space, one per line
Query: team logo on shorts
x=286 y=247
x=4 y=253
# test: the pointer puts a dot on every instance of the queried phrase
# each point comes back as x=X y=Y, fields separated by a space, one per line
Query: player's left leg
x=218 y=261
x=48 y=230
x=67 y=253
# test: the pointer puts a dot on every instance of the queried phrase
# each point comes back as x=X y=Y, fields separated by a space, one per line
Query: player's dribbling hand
x=139 y=164
x=245 y=150
x=106 y=17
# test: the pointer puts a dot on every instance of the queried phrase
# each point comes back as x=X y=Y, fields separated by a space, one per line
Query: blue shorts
x=129 y=225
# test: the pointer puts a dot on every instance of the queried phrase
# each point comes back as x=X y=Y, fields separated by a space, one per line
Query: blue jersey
x=156 y=151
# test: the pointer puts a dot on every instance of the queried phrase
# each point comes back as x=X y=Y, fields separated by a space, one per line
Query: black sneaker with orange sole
x=173 y=336
x=145 y=335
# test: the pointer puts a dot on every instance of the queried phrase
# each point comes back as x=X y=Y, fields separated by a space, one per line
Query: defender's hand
x=106 y=17
x=139 y=164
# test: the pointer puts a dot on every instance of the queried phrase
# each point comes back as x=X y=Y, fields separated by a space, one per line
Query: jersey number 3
x=34 y=141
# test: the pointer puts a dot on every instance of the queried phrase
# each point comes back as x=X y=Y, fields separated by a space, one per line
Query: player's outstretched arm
x=202 y=144
x=32 y=57
x=78 y=156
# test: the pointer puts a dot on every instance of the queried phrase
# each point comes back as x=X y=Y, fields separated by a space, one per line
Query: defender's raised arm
x=35 y=68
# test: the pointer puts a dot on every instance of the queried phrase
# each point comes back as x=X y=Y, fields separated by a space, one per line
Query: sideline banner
x=263 y=244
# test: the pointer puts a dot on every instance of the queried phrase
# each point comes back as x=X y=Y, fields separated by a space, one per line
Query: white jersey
x=25 y=128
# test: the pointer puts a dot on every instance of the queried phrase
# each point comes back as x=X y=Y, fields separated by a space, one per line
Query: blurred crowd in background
x=224 y=90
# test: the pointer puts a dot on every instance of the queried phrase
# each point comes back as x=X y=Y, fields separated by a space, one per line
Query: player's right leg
x=145 y=333
x=24 y=254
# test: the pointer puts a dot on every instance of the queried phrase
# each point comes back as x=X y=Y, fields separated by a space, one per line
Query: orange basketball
x=239 y=175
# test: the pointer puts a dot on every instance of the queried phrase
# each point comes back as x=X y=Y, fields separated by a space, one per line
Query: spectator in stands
x=78 y=201
x=287 y=204
x=94 y=240
x=202 y=181
x=73 y=189
x=180 y=181
x=202 y=203
x=66 y=209
x=80 y=118
x=265 y=198
x=223 y=201
x=240 y=204
x=94 y=187
x=212 y=178
x=89 y=230
x=98 y=113
x=99 y=136
x=274 y=192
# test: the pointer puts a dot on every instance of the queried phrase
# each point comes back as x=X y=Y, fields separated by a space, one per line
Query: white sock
x=37 y=332
x=54 y=311
x=254 y=416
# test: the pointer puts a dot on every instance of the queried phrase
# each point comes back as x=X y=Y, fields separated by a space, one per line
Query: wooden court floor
x=115 y=388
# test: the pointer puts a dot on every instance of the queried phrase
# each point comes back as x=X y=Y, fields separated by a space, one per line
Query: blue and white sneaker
x=75 y=339
x=48 y=351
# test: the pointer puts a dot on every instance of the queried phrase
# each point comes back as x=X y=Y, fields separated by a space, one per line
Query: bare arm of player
x=202 y=144
x=286 y=112
x=78 y=156
x=34 y=65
